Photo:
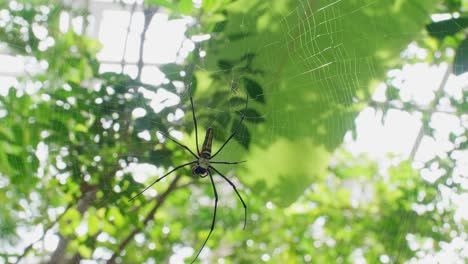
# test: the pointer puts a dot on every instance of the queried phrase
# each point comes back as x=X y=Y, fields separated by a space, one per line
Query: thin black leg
x=160 y=178
x=180 y=144
x=214 y=216
x=238 y=195
x=195 y=124
x=227 y=162
x=235 y=130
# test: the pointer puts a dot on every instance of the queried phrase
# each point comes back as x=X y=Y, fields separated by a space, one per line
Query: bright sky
x=398 y=135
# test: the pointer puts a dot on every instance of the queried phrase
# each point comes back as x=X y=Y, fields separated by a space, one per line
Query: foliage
x=68 y=146
x=310 y=63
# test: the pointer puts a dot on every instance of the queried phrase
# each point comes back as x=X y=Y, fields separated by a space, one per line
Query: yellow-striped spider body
x=204 y=157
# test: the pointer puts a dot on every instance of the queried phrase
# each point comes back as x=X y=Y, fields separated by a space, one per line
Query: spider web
x=325 y=58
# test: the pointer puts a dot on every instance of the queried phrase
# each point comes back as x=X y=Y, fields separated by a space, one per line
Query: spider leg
x=227 y=162
x=180 y=144
x=160 y=178
x=195 y=124
x=238 y=195
x=235 y=130
x=214 y=216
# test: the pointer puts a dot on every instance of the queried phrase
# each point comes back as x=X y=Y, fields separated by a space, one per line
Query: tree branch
x=159 y=201
x=82 y=205
x=28 y=248
x=84 y=202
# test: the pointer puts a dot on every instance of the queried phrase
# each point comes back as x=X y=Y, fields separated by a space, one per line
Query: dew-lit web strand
x=227 y=162
x=329 y=29
x=305 y=45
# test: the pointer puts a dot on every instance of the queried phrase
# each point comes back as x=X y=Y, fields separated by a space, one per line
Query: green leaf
x=109 y=228
x=33 y=162
x=236 y=102
x=248 y=57
x=93 y=225
x=254 y=89
x=85 y=251
x=392 y=93
x=243 y=135
x=164 y=3
x=172 y=71
x=460 y=63
x=70 y=221
x=58 y=126
x=81 y=128
x=225 y=65
x=219 y=27
x=16 y=162
x=18 y=132
x=185 y=6
x=116 y=217
x=7 y=225
x=208 y=4
x=253 y=116
x=450 y=27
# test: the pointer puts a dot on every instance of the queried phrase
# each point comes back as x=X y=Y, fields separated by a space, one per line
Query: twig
x=432 y=107
x=422 y=110
x=132 y=13
x=148 y=14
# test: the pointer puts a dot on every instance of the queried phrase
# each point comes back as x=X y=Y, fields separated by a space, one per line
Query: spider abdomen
x=206 y=148
x=204 y=163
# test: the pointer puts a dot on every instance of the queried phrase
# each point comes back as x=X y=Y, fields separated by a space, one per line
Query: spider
x=203 y=166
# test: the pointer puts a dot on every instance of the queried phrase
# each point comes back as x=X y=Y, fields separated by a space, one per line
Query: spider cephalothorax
x=203 y=166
